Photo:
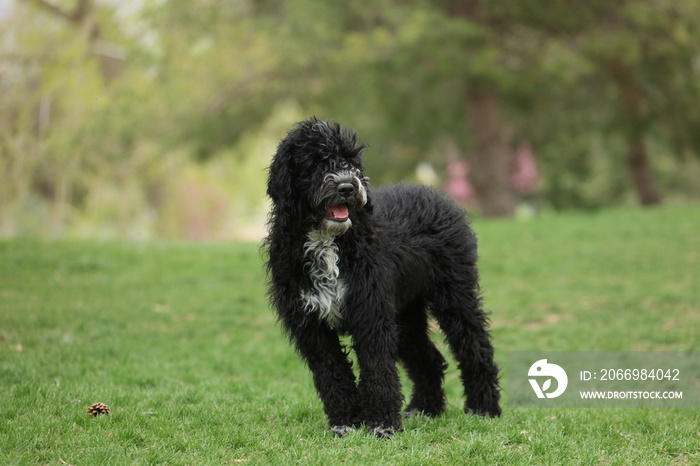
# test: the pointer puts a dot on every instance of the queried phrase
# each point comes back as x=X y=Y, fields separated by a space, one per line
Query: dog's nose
x=346 y=189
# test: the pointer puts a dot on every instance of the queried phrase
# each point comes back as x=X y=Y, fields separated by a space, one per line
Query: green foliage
x=178 y=340
x=199 y=80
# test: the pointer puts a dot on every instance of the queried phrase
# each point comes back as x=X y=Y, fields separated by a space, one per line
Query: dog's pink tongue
x=338 y=212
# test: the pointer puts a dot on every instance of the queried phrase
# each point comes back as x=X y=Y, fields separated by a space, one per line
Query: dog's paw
x=383 y=431
x=340 y=431
x=413 y=413
x=496 y=412
x=418 y=412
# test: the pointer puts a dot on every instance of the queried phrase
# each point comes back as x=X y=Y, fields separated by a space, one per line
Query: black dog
x=347 y=260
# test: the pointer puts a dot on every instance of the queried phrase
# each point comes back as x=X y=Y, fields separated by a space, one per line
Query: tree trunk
x=491 y=158
x=633 y=112
x=641 y=173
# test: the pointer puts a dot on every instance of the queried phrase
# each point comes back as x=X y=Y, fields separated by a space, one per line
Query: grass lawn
x=179 y=341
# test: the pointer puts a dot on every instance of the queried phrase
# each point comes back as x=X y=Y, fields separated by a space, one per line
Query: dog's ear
x=287 y=211
x=280 y=184
x=368 y=207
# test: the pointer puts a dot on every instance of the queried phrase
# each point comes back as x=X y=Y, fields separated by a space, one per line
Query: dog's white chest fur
x=328 y=290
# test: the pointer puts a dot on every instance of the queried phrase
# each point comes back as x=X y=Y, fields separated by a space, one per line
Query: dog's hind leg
x=458 y=311
x=422 y=360
x=332 y=374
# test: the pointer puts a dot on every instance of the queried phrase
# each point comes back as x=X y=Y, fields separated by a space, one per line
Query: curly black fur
x=346 y=260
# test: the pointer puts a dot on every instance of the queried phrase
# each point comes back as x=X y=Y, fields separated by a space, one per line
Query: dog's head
x=317 y=174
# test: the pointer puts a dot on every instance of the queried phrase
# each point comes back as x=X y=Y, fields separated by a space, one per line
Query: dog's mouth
x=337 y=213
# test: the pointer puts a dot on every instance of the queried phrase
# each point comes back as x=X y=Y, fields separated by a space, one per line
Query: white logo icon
x=542 y=368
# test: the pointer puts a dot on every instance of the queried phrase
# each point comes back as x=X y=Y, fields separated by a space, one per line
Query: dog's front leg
x=332 y=372
x=374 y=342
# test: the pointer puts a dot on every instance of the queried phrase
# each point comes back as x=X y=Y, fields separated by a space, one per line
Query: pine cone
x=97 y=409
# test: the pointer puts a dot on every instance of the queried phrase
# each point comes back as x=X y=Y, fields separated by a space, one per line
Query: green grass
x=179 y=341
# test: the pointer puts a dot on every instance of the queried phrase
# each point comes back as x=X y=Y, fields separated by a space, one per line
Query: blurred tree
x=83 y=17
x=491 y=154
x=189 y=106
x=415 y=75
x=647 y=51
x=39 y=161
